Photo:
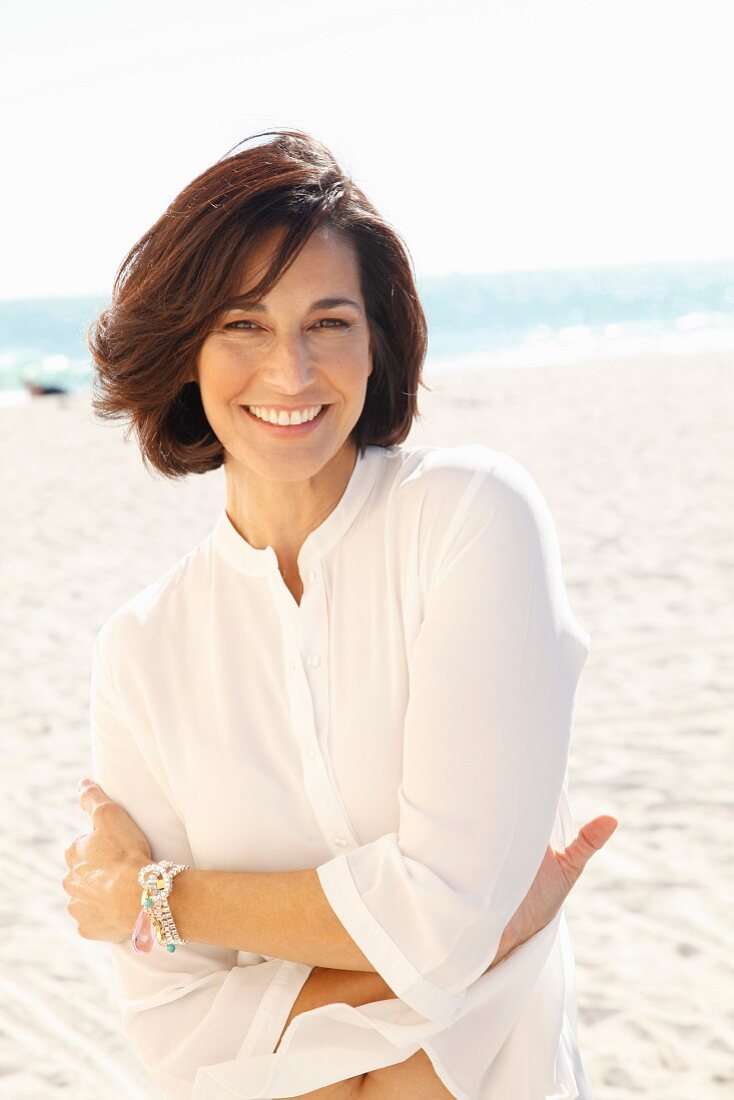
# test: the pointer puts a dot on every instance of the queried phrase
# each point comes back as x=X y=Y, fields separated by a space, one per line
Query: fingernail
x=83 y=783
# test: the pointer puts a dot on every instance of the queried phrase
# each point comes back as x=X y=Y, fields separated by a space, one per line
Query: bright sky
x=494 y=134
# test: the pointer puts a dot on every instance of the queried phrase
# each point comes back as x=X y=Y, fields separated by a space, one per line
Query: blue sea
x=510 y=319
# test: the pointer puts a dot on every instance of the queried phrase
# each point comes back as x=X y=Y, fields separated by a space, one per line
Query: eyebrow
x=243 y=302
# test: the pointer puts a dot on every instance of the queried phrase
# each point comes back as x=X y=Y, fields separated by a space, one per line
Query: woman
x=346 y=713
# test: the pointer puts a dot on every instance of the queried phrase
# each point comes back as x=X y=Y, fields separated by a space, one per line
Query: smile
x=287 y=429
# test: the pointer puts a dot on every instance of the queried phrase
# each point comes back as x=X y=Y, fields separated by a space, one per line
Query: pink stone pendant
x=143 y=937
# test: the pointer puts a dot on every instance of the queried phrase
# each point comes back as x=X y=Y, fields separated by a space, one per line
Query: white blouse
x=405 y=731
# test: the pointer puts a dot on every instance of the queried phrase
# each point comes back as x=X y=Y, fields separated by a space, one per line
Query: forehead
x=326 y=257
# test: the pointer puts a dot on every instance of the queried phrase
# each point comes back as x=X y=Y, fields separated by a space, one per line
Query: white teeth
x=282 y=417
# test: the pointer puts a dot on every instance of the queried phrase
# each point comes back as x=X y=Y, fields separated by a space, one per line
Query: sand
x=636 y=460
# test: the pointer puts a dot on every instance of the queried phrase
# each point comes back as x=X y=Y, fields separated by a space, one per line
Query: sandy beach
x=636 y=459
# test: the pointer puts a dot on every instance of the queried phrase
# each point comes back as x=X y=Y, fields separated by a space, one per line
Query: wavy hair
x=173 y=283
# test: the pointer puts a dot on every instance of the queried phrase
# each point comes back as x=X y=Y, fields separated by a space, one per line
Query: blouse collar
x=258 y=562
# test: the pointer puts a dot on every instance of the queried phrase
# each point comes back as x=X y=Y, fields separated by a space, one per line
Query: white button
x=292 y=666
x=312 y=659
x=340 y=840
x=311 y=576
x=310 y=751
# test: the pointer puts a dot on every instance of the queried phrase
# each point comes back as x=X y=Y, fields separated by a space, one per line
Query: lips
x=288 y=429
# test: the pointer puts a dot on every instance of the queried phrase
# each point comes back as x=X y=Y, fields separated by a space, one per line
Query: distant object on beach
x=51 y=374
x=40 y=391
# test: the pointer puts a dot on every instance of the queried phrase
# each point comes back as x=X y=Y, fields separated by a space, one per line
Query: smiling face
x=293 y=350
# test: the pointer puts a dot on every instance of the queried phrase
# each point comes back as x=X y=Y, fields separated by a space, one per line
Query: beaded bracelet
x=155 y=920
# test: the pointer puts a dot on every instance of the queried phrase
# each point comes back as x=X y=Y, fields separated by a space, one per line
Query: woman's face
x=290 y=352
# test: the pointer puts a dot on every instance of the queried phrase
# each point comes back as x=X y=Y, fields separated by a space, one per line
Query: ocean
x=511 y=319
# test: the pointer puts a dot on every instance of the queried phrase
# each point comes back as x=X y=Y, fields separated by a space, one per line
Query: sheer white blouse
x=406 y=732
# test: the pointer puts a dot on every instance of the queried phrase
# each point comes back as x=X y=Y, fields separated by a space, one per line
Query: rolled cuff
x=407 y=983
x=223 y=1079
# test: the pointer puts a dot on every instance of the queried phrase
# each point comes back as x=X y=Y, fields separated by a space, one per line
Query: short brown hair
x=171 y=286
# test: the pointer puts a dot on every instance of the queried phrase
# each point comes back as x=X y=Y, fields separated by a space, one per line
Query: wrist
x=128 y=891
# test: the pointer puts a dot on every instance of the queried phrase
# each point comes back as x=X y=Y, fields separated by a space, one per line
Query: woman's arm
x=280 y=914
x=195 y=1007
x=493 y=676
x=288 y=909
x=324 y=986
x=538 y=907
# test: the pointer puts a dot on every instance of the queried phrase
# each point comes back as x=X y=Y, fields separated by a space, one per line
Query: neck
x=281 y=514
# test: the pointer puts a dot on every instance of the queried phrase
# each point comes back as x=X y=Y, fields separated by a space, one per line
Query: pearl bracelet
x=155 y=920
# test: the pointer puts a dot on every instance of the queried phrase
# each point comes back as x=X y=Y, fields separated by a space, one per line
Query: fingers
x=591 y=838
x=91 y=795
x=595 y=834
x=73 y=851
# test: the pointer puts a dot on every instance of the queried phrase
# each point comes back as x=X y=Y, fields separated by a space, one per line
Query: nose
x=288 y=367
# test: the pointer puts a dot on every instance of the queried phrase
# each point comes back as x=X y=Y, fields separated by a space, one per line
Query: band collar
x=259 y=562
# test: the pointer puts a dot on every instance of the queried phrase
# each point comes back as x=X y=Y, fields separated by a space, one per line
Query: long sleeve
x=194 y=1007
x=493 y=676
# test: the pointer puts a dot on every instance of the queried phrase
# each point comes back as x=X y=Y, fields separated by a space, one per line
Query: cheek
x=223 y=372
x=348 y=360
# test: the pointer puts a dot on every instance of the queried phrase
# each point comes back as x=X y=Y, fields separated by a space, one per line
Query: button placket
x=311 y=577
x=312 y=629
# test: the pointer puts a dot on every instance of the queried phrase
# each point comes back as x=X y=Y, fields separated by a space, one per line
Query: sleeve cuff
x=274 y=1007
x=407 y=983
x=263 y=1033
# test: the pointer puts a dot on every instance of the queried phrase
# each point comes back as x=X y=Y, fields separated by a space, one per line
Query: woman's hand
x=103 y=866
x=558 y=872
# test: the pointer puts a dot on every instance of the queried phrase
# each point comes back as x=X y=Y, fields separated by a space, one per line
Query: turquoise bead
x=171 y=946
x=148 y=902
